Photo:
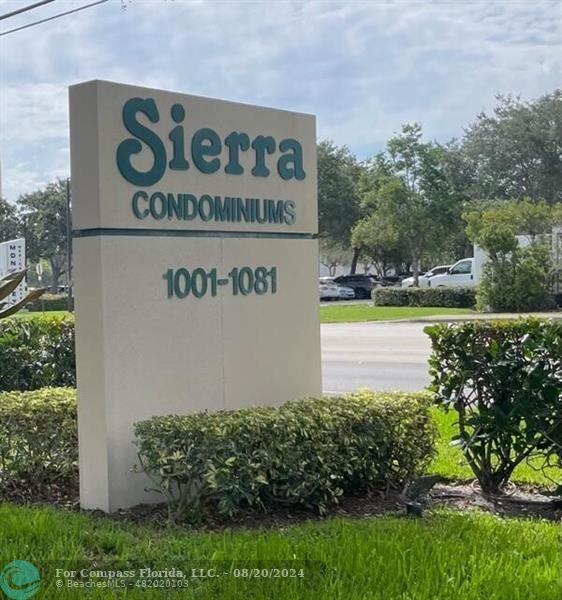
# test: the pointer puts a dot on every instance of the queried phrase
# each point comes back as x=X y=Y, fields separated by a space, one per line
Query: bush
x=38 y=439
x=49 y=302
x=36 y=353
x=307 y=452
x=518 y=283
x=446 y=297
x=504 y=380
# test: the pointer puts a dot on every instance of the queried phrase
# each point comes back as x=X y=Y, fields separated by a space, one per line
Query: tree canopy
x=410 y=206
x=403 y=208
x=10 y=225
x=44 y=216
x=516 y=152
x=338 y=194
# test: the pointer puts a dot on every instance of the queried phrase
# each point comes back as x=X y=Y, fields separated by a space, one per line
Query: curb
x=480 y=317
x=556 y=316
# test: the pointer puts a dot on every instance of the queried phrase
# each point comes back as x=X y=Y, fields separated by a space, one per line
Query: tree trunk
x=416 y=271
x=56 y=273
x=355 y=260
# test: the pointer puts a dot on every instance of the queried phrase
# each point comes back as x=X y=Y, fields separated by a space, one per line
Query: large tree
x=10 y=226
x=411 y=205
x=45 y=226
x=338 y=195
x=517 y=151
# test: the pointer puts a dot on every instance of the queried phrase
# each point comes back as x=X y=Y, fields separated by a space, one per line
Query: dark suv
x=362 y=285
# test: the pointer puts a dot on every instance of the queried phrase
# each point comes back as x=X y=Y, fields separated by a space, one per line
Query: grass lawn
x=48 y=314
x=450 y=462
x=337 y=313
x=329 y=313
x=447 y=555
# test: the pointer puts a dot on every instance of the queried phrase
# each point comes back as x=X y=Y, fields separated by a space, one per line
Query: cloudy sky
x=363 y=67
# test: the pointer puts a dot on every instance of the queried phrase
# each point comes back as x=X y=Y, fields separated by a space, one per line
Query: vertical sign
x=12 y=258
x=195 y=266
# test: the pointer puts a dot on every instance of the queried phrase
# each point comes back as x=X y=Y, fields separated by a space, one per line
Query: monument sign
x=195 y=266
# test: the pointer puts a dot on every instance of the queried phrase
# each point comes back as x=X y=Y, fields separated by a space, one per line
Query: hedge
x=441 y=296
x=36 y=353
x=504 y=380
x=38 y=439
x=305 y=453
x=49 y=302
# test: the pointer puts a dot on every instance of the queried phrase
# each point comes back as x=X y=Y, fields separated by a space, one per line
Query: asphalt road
x=379 y=356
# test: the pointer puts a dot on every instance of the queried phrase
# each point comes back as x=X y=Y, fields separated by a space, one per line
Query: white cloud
x=364 y=67
x=33 y=112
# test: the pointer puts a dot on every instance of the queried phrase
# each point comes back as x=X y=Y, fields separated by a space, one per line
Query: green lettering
x=174 y=206
x=290 y=212
x=208 y=215
x=136 y=211
x=261 y=145
x=178 y=162
x=235 y=142
x=275 y=211
x=290 y=165
x=129 y=147
x=223 y=209
x=187 y=201
x=158 y=209
x=206 y=142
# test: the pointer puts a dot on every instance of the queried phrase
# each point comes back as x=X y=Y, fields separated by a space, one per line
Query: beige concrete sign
x=195 y=266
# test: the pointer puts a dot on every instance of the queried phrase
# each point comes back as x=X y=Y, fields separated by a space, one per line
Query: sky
x=364 y=67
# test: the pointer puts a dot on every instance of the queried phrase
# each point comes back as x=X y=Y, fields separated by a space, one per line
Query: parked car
x=362 y=285
x=423 y=279
x=391 y=280
x=461 y=274
x=330 y=290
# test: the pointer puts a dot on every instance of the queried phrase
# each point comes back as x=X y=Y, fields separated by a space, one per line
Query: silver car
x=330 y=290
x=423 y=280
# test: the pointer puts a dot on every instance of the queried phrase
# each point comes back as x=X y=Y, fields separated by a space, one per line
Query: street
x=379 y=356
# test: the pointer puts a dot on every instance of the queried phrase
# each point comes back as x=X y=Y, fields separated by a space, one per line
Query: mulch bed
x=517 y=501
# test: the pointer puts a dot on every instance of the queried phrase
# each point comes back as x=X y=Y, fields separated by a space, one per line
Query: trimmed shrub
x=49 y=302
x=38 y=439
x=518 y=283
x=36 y=353
x=307 y=452
x=445 y=297
x=504 y=380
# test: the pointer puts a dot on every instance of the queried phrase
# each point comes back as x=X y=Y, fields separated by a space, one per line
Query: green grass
x=450 y=462
x=367 y=312
x=328 y=313
x=447 y=555
x=48 y=314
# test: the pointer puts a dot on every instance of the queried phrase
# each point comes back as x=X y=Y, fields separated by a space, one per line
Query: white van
x=468 y=271
x=461 y=274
